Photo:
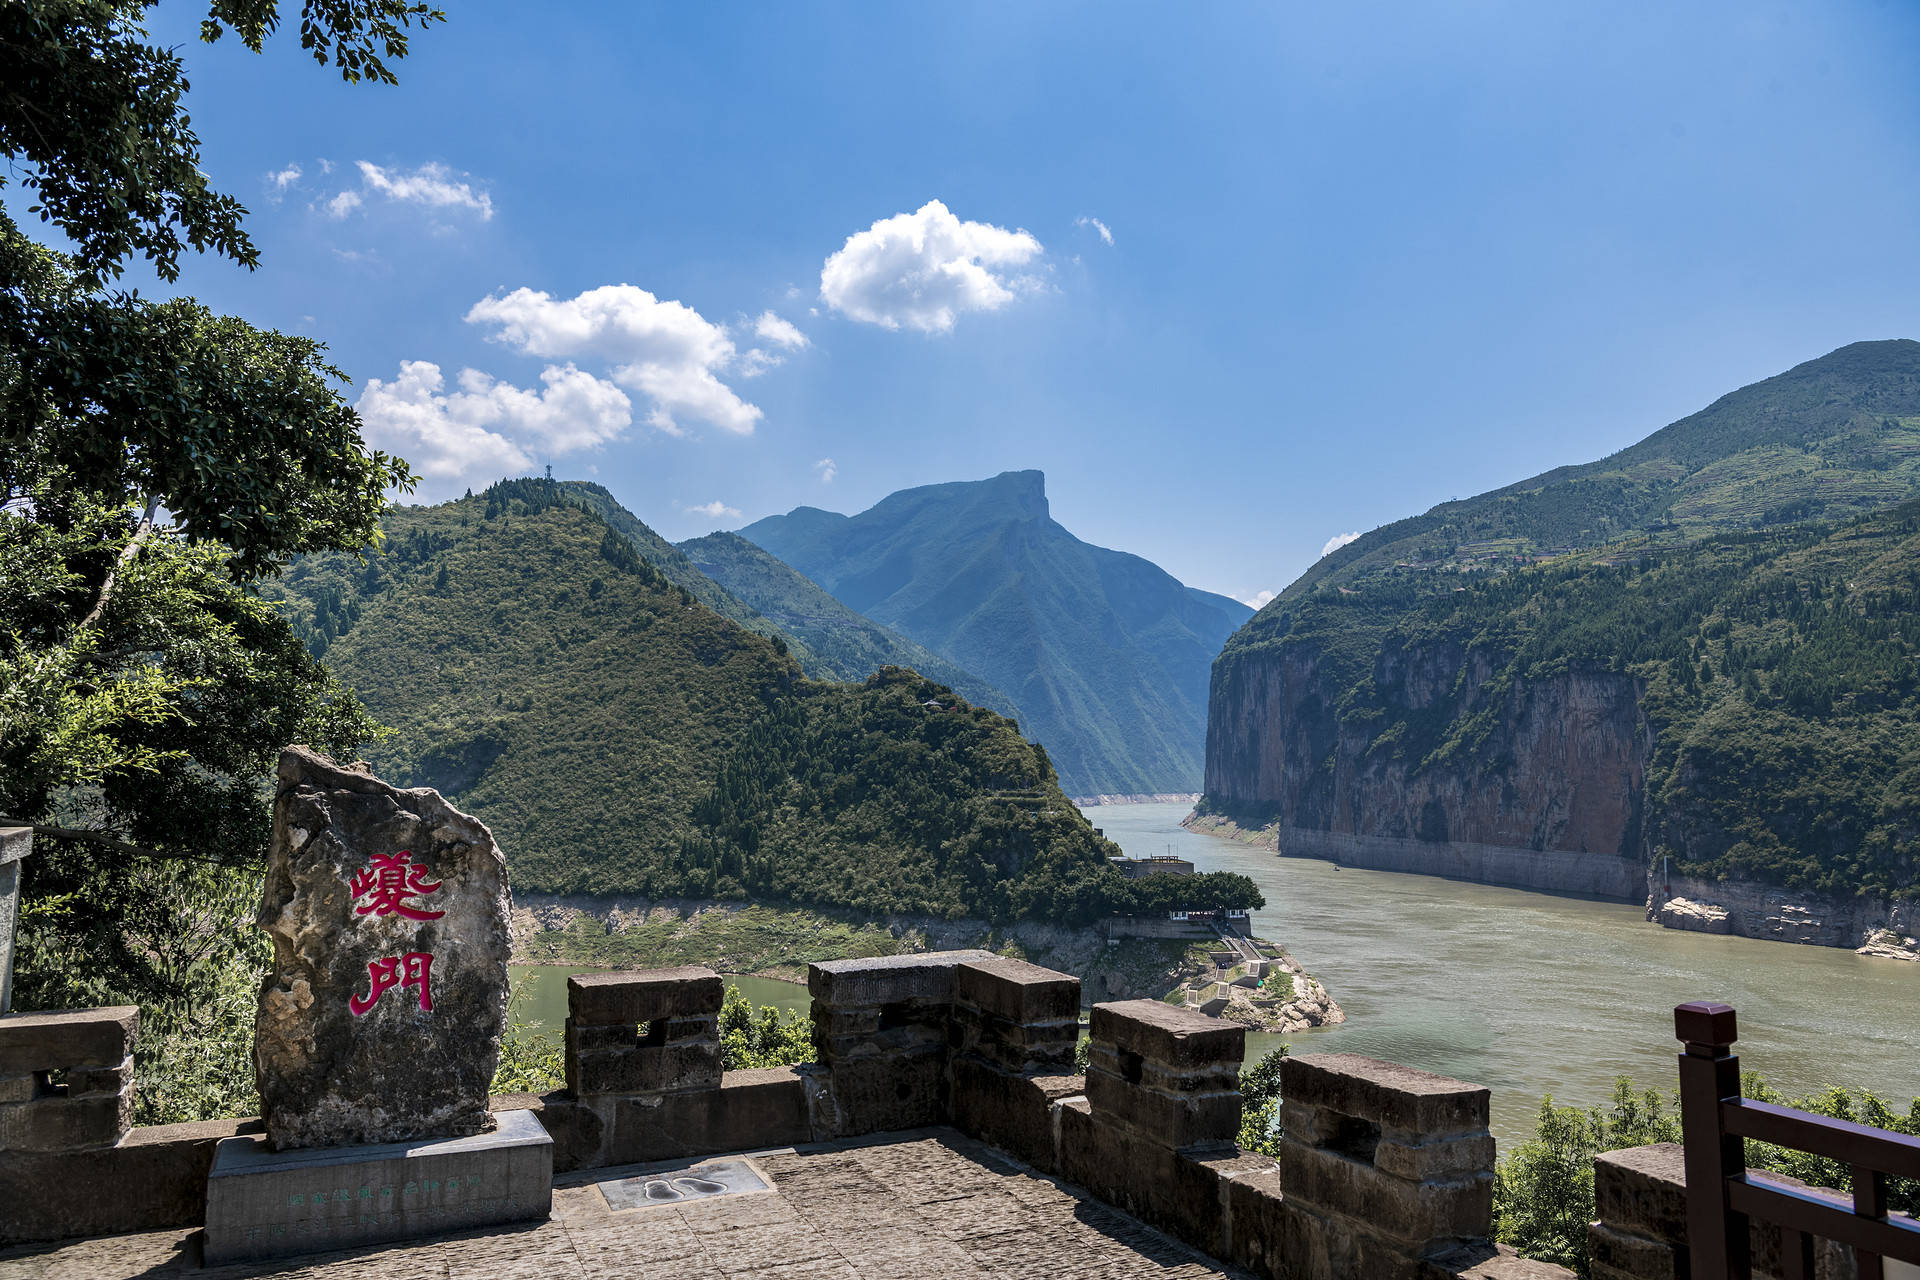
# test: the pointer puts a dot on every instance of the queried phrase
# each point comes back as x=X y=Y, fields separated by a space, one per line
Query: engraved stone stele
x=388 y=909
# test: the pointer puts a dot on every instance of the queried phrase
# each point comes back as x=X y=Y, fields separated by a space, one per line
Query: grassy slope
x=1104 y=655
x=619 y=736
x=847 y=645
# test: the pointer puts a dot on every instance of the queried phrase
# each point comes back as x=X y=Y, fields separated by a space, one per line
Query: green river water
x=1528 y=993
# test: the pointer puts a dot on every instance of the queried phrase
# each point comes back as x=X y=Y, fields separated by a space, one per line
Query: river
x=1528 y=993
x=1532 y=993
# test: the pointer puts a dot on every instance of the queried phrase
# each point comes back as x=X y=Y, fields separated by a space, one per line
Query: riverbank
x=1536 y=993
x=1595 y=875
x=778 y=940
x=1158 y=797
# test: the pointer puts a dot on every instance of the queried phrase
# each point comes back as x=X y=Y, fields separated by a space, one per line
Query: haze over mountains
x=1704 y=647
x=1104 y=655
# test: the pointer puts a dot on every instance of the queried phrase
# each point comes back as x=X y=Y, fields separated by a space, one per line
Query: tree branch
x=108 y=842
x=126 y=555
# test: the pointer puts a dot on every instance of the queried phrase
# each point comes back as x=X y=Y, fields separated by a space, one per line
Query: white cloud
x=1256 y=600
x=715 y=510
x=827 y=470
x=487 y=429
x=782 y=333
x=1085 y=221
x=665 y=350
x=433 y=185
x=923 y=269
x=1338 y=541
x=283 y=179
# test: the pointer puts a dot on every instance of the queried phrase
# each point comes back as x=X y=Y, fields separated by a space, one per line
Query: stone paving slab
x=929 y=1204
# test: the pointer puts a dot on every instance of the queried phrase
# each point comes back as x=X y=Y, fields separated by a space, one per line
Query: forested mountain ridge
x=844 y=645
x=1103 y=654
x=1743 y=702
x=621 y=737
x=1834 y=437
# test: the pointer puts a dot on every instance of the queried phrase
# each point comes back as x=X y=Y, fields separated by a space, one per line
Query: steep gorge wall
x=1548 y=795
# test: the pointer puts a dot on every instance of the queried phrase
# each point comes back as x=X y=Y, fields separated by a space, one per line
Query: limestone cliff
x=1547 y=794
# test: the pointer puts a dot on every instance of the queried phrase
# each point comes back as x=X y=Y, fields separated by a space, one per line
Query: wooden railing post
x=1709 y=1074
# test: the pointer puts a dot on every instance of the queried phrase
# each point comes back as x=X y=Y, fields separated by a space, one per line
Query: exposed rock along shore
x=1141 y=797
x=1259 y=985
x=1871 y=926
x=779 y=940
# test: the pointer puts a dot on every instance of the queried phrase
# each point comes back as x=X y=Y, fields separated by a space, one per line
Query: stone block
x=888 y=979
x=1012 y=1110
x=640 y=1068
x=1212 y=1077
x=67 y=1038
x=1163 y=1033
x=1315 y=1247
x=887 y=1092
x=267 y=1204
x=155 y=1178
x=1624 y=1255
x=1446 y=1158
x=1415 y=1216
x=749 y=1110
x=1255 y=1222
x=1403 y=1099
x=65 y=1123
x=1201 y=1208
x=1168 y=1120
x=1642 y=1191
x=1017 y=991
x=641 y=995
x=22 y=1088
x=1015 y=1045
x=1483 y=1261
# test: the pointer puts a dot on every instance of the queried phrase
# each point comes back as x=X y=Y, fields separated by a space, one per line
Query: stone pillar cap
x=15 y=843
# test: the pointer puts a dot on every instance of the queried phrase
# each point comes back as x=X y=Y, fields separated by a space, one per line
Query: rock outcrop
x=389 y=914
x=1874 y=926
x=1549 y=799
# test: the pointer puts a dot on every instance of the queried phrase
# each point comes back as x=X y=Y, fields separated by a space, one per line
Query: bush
x=1260 y=1104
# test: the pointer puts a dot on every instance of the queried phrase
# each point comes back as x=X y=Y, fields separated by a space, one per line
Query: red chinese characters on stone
x=409 y=970
x=390 y=880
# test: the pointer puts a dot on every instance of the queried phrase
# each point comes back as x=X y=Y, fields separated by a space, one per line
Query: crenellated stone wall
x=1386 y=1170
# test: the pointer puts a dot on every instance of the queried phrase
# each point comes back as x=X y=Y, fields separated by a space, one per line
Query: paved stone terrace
x=924 y=1205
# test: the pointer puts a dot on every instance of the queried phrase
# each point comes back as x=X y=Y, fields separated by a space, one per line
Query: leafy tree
x=761 y=1036
x=155 y=460
x=1260 y=1104
x=1543 y=1191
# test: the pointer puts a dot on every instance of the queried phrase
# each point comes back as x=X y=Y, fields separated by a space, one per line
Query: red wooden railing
x=1722 y=1197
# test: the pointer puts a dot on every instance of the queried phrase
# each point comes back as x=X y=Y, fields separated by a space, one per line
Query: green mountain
x=1103 y=654
x=1702 y=673
x=845 y=645
x=621 y=737
x=1831 y=438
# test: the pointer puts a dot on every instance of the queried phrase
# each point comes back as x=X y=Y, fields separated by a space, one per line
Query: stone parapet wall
x=66 y=1079
x=1385 y=1174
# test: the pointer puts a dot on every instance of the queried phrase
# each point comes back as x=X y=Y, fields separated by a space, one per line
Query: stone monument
x=15 y=844
x=378 y=1029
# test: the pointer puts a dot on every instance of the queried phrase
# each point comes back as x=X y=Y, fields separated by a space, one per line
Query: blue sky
x=1358 y=259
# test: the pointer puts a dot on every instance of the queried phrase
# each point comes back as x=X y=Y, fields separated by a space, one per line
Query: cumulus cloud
x=280 y=180
x=922 y=270
x=1099 y=226
x=827 y=470
x=433 y=185
x=715 y=510
x=665 y=350
x=1256 y=600
x=487 y=428
x=781 y=333
x=1338 y=541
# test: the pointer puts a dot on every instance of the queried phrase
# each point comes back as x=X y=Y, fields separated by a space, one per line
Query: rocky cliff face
x=1546 y=794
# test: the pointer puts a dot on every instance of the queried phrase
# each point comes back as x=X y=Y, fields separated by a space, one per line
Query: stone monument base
x=269 y=1204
